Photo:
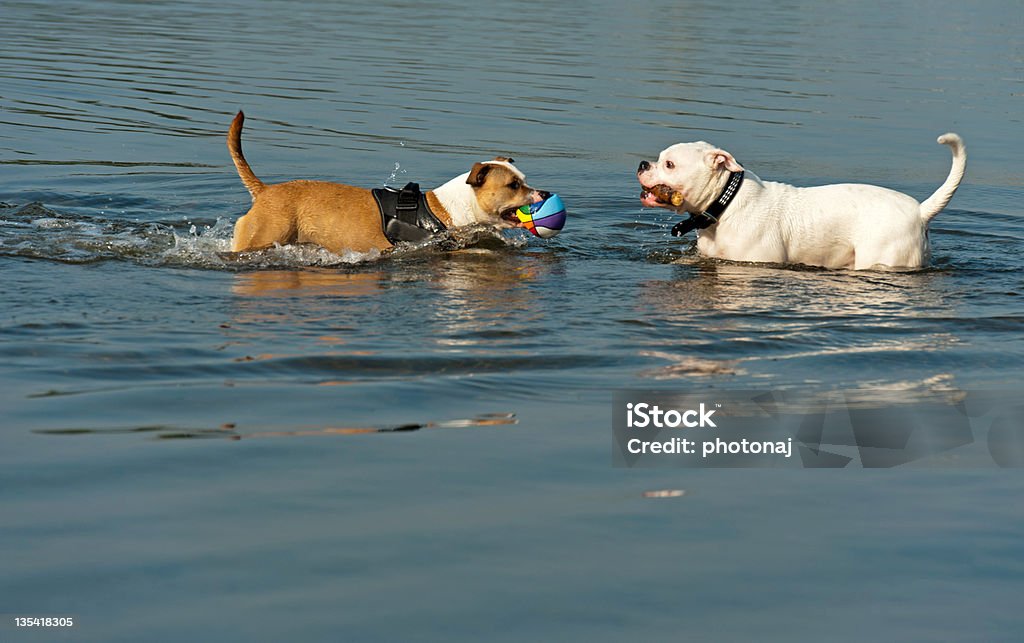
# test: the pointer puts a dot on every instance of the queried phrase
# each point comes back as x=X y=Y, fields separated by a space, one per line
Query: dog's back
x=303 y=211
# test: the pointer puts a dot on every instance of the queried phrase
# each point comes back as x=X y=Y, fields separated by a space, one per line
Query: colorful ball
x=545 y=218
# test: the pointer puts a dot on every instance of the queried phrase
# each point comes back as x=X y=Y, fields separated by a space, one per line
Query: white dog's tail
x=253 y=184
x=934 y=204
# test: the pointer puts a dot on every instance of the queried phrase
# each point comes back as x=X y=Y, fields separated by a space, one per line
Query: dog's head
x=698 y=170
x=501 y=189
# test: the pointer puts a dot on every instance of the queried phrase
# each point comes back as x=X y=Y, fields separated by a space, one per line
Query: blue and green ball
x=545 y=218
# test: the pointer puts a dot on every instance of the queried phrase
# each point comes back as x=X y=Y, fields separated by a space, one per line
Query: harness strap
x=405 y=214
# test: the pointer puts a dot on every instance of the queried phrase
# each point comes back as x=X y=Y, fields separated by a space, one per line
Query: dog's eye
x=515 y=185
x=669 y=165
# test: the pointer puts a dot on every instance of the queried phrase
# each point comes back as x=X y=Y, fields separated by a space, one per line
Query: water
x=185 y=453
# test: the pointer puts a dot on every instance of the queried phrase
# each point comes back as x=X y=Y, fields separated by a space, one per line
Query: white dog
x=743 y=218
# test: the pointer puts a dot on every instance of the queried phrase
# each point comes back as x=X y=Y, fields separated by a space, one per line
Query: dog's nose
x=644 y=166
x=544 y=195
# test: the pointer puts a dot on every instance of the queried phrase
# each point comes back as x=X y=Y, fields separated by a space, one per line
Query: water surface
x=197 y=446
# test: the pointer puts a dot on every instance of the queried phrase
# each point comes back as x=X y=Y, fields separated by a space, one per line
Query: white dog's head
x=698 y=170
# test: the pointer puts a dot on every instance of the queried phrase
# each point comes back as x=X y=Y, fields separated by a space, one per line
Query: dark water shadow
x=231 y=431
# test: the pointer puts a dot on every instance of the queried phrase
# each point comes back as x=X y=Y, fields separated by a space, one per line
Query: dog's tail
x=253 y=184
x=934 y=204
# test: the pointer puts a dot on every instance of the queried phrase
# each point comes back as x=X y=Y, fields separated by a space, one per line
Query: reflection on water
x=476 y=292
x=740 y=314
x=705 y=285
x=308 y=283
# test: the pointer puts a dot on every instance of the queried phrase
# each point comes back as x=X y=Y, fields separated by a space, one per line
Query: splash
x=38 y=232
x=395 y=173
x=210 y=247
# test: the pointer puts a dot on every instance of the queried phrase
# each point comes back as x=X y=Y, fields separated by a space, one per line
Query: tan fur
x=438 y=209
x=252 y=184
x=496 y=186
x=310 y=212
x=342 y=217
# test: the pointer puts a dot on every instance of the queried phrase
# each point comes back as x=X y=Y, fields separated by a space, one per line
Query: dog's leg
x=253 y=234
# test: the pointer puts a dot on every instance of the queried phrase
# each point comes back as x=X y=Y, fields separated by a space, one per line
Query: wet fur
x=342 y=217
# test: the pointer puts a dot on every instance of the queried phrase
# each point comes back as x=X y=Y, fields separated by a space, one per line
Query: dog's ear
x=504 y=159
x=478 y=174
x=720 y=158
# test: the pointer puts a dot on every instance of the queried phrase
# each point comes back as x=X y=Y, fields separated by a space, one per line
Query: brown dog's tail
x=253 y=184
x=934 y=204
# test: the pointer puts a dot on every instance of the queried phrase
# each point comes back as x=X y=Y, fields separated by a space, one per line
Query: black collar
x=714 y=211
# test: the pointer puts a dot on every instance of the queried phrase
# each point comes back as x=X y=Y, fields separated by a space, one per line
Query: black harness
x=405 y=215
x=714 y=211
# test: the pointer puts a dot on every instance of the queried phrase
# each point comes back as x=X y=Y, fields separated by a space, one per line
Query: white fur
x=511 y=167
x=836 y=226
x=459 y=199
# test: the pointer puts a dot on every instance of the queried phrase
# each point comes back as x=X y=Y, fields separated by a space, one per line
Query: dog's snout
x=644 y=166
x=544 y=194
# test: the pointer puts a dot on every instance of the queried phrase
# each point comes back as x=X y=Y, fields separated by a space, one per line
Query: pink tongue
x=650 y=200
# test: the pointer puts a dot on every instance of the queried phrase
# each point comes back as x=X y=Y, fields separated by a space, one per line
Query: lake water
x=180 y=454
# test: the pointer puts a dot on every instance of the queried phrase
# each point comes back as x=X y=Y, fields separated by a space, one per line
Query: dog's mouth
x=649 y=199
x=658 y=196
x=510 y=217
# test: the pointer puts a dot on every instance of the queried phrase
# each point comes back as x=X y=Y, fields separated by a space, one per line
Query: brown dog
x=342 y=217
